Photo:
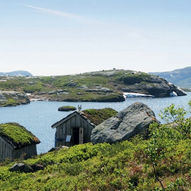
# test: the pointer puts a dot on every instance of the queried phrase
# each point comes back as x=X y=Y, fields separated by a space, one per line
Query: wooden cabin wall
x=6 y=150
x=25 y=152
x=66 y=128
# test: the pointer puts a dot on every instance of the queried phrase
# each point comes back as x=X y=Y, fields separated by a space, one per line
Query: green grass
x=132 y=78
x=164 y=159
x=33 y=88
x=121 y=166
x=97 y=116
x=10 y=102
x=13 y=99
x=74 y=85
x=17 y=134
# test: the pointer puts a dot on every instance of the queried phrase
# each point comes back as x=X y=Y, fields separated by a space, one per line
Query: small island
x=67 y=108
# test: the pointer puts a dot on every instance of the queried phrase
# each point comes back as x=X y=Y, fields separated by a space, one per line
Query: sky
x=58 y=37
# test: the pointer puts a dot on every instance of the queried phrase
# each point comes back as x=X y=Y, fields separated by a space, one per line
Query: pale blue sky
x=51 y=37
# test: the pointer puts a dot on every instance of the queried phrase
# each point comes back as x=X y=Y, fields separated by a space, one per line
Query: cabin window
x=68 y=138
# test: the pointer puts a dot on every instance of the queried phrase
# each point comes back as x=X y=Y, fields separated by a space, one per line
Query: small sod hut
x=76 y=128
x=16 y=142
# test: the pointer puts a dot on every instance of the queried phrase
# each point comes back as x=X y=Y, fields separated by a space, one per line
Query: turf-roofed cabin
x=76 y=128
x=16 y=142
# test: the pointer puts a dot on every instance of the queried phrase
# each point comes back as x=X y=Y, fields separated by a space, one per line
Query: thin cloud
x=59 y=13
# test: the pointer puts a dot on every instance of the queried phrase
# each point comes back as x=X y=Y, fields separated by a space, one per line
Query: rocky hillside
x=12 y=98
x=101 y=86
x=180 y=77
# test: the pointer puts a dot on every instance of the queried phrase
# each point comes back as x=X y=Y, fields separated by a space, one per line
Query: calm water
x=39 y=116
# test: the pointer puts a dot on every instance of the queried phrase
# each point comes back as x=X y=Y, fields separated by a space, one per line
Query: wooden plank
x=81 y=135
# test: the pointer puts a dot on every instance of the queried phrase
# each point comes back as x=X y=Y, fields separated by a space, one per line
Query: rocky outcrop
x=22 y=167
x=133 y=120
x=102 y=89
x=58 y=148
x=13 y=98
x=151 y=85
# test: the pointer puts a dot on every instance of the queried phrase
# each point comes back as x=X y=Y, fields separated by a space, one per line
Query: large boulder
x=133 y=120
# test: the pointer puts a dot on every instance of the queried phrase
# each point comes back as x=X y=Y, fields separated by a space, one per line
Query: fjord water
x=38 y=116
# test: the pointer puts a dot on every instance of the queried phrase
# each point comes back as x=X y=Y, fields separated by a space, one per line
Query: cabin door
x=76 y=136
x=81 y=135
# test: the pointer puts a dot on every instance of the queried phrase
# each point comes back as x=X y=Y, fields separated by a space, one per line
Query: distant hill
x=100 y=86
x=179 y=77
x=16 y=73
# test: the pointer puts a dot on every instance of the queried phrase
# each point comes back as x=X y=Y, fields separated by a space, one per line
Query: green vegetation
x=117 y=97
x=12 y=98
x=10 y=102
x=65 y=88
x=162 y=162
x=17 y=134
x=102 y=86
x=134 y=77
x=37 y=87
x=67 y=108
x=97 y=116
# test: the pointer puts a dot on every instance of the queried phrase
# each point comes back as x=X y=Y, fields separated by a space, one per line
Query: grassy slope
x=121 y=166
x=17 y=134
x=75 y=87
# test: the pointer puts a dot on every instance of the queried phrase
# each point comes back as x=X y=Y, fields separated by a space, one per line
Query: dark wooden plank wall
x=6 y=150
x=66 y=128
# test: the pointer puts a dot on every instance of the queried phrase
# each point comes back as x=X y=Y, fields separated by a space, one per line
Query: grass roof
x=17 y=135
x=97 y=116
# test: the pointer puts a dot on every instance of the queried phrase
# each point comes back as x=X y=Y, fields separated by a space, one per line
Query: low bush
x=162 y=162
